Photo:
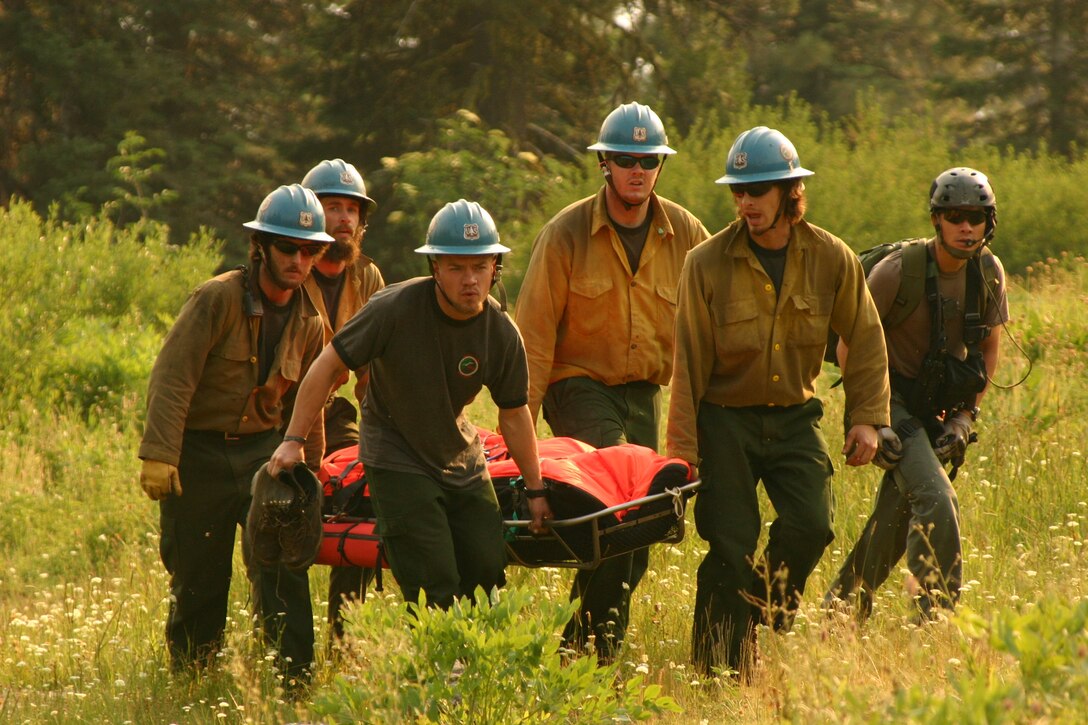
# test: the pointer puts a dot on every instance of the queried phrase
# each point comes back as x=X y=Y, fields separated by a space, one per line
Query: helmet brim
x=765 y=176
x=315 y=236
x=463 y=251
x=632 y=148
x=371 y=204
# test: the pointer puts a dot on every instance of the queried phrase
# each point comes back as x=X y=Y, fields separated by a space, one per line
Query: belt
x=228 y=437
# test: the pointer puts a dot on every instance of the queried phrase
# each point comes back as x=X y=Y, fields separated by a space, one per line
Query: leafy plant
x=493 y=661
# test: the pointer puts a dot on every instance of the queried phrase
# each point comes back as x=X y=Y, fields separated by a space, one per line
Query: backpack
x=912 y=283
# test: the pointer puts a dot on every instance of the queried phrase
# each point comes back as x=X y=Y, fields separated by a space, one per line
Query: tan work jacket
x=205 y=377
x=363 y=279
x=738 y=344
x=580 y=310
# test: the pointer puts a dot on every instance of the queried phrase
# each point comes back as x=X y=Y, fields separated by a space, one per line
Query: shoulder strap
x=981 y=291
x=912 y=282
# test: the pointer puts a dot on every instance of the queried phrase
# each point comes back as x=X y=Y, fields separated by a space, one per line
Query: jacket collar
x=660 y=220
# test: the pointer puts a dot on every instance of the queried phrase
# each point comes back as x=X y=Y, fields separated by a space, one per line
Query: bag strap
x=912 y=281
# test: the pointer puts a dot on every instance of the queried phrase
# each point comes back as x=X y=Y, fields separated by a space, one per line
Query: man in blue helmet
x=941 y=357
x=220 y=390
x=342 y=281
x=755 y=305
x=596 y=311
x=431 y=344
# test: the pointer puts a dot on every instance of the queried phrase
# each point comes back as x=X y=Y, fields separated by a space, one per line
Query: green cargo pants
x=442 y=541
x=783 y=448
x=603 y=416
x=197 y=548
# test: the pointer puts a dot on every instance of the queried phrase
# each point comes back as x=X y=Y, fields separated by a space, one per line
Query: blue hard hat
x=292 y=211
x=462 y=227
x=762 y=154
x=633 y=129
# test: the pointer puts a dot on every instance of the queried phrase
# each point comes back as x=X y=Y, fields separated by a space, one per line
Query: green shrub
x=496 y=661
x=89 y=306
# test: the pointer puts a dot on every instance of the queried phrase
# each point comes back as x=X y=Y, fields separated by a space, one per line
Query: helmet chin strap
x=496 y=281
x=603 y=164
x=777 y=216
x=957 y=252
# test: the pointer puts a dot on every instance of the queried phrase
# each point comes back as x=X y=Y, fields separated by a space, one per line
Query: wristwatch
x=535 y=492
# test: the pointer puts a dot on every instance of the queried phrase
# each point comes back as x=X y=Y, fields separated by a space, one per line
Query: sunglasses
x=626 y=161
x=752 y=190
x=959 y=216
x=289 y=248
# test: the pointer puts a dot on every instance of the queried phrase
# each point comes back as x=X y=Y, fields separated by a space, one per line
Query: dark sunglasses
x=289 y=248
x=752 y=190
x=627 y=161
x=959 y=216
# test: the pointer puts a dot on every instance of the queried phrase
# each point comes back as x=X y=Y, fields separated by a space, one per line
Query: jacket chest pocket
x=234 y=349
x=810 y=320
x=589 y=305
x=736 y=329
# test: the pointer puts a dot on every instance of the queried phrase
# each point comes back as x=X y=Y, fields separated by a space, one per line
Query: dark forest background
x=188 y=113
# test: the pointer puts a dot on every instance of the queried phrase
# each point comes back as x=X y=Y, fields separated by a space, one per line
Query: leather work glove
x=159 y=480
x=889 y=450
x=952 y=444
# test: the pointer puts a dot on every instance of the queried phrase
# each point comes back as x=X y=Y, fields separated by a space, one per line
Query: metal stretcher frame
x=556 y=547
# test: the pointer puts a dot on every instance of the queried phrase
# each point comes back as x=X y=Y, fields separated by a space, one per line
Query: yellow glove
x=159 y=480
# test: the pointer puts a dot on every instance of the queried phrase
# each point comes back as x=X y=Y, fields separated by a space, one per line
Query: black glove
x=889 y=452
x=952 y=444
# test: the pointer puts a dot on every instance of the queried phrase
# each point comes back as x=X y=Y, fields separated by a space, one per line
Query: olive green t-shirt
x=909 y=341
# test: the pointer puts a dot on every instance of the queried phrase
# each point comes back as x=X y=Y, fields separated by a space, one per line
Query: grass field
x=83 y=594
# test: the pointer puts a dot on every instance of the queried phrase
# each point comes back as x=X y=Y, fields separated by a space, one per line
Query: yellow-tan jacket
x=205 y=377
x=363 y=279
x=738 y=344
x=580 y=310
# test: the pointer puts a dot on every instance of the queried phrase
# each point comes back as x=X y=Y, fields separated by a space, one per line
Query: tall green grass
x=83 y=596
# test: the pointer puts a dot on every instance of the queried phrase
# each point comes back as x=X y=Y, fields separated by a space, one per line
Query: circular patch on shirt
x=468 y=366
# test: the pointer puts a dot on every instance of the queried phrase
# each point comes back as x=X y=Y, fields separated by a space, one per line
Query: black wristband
x=535 y=492
x=294 y=439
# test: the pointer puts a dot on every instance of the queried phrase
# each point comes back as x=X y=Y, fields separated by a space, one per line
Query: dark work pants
x=603 y=416
x=442 y=541
x=916 y=513
x=740 y=447
x=197 y=548
x=346 y=583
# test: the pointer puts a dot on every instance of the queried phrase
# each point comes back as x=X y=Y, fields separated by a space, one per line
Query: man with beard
x=343 y=279
x=220 y=390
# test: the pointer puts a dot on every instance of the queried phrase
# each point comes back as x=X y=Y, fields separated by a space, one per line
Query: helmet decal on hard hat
x=336 y=177
x=633 y=128
x=462 y=228
x=291 y=211
x=762 y=154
